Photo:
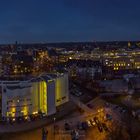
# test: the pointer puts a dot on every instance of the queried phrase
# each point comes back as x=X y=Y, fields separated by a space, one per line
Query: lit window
x=106 y=63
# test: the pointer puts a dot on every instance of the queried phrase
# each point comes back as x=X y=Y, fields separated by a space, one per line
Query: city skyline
x=66 y=21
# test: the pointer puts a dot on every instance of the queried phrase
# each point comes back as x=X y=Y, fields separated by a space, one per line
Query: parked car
x=67 y=126
x=109 y=117
x=96 y=120
x=79 y=126
x=100 y=128
x=84 y=125
x=89 y=123
x=89 y=105
x=104 y=127
x=92 y=122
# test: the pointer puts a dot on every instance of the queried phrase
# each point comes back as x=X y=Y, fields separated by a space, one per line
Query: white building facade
x=31 y=97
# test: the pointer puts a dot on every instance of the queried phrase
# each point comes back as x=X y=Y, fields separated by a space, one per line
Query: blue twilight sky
x=69 y=20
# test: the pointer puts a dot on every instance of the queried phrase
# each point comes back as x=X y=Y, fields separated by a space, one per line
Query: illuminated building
x=1 y=71
x=21 y=64
x=34 y=96
x=129 y=44
x=61 y=88
x=122 y=63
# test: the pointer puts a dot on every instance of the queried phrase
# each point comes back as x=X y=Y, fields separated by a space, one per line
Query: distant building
x=114 y=86
x=21 y=64
x=1 y=66
x=135 y=83
x=122 y=63
x=129 y=44
x=85 y=69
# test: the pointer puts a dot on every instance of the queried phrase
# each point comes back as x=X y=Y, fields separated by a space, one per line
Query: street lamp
x=54 y=126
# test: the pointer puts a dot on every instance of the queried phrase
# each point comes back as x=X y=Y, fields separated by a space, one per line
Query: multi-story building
x=40 y=95
x=122 y=63
x=1 y=67
x=61 y=88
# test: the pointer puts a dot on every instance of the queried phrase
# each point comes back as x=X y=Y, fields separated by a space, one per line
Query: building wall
x=24 y=98
x=61 y=89
x=51 y=98
x=1 y=66
x=0 y=101
x=121 y=63
x=16 y=100
x=39 y=97
x=24 y=101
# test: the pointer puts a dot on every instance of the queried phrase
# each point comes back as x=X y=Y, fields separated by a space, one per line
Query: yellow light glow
x=13 y=109
x=26 y=118
x=43 y=96
x=13 y=119
x=25 y=111
x=7 y=114
x=34 y=113
x=102 y=109
x=11 y=113
x=94 y=123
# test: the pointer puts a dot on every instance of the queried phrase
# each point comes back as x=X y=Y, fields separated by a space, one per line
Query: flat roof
x=18 y=79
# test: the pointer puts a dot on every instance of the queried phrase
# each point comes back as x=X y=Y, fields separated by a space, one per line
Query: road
x=80 y=104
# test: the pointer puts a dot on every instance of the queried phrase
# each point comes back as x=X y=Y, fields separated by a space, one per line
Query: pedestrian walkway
x=80 y=104
x=26 y=126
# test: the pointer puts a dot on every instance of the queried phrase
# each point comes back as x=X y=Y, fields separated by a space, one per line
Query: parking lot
x=84 y=128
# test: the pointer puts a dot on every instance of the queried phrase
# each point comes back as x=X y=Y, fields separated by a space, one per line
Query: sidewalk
x=26 y=126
